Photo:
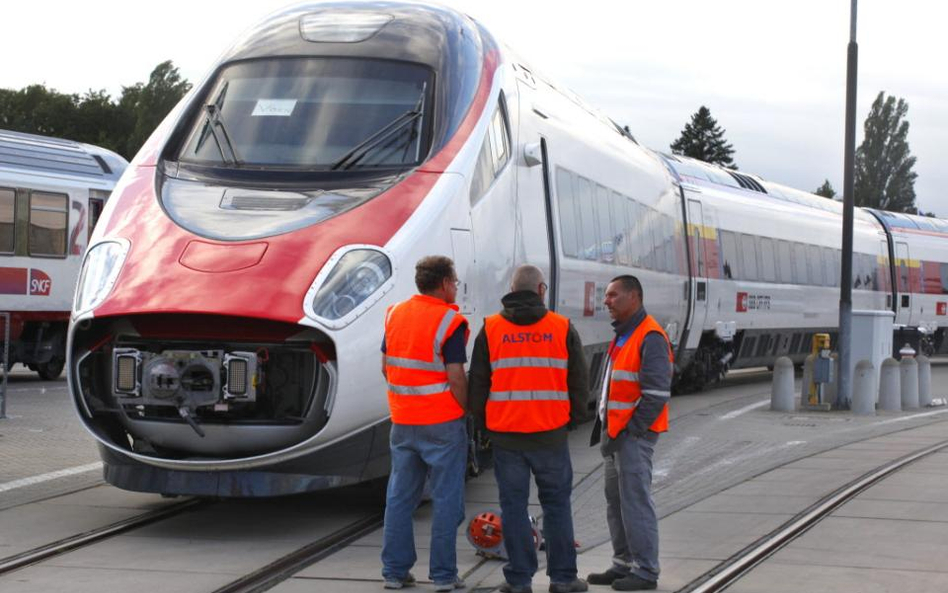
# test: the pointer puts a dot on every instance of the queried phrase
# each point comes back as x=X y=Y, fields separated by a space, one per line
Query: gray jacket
x=654 y=378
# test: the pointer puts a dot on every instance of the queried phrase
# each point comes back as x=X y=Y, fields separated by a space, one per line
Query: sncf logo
x=40 y=284
x=527 y=337
x=742 y=302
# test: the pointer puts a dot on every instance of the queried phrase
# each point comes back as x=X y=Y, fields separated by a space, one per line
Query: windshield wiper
x=215 y=123
x=362 y=149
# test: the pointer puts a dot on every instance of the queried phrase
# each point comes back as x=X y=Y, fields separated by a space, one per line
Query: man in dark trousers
x=528 y=384
x=633 y=411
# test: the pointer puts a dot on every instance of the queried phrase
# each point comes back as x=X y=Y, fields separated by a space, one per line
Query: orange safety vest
x=415 y=331
x=528 y=363
x=625 y=392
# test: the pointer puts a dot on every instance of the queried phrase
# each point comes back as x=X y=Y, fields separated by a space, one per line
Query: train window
x=658 y=242
x=483 y=171
x=48 y=223
x=671 y=259
x=944 y=278
x=583 y=190
x=495 y=152
x=569 y=227
x=7 y=220
x=606 y=225
x=622 y=231
x=749 y=253
x=829 y=267
x=800 y=275
x=816 y=265
x=634 y=213
x=500 y=137
x=784 y=266
x=731 y=265
x=645 y=229
x=768 y=265
x=313 y=114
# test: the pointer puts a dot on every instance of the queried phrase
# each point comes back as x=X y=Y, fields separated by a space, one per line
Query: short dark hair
x=630 y=284
x=431 y=271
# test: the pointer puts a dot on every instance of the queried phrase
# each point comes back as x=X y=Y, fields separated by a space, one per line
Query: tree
x=121 y=126
x=703 y=139
x=150 y=103
x=826 y=190
x=884 y=177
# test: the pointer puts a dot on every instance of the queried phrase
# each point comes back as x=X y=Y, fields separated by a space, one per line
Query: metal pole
x=844 y=387
x=6 y=364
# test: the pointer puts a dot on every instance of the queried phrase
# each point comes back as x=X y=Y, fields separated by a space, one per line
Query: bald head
x=527 y=277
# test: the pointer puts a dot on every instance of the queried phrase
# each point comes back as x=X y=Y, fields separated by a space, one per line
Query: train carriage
x=51 y=194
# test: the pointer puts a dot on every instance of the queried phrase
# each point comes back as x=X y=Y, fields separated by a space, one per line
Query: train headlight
x=101 y=267
x=353 y=284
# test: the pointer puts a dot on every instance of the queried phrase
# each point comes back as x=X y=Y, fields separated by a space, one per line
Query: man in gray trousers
x=633 y=410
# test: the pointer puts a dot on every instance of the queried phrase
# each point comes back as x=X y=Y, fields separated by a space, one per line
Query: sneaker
x=605 y=578
x=633 y=583
x=573 y=587
x=508 y=588
x=457 y=584
x=400 y=583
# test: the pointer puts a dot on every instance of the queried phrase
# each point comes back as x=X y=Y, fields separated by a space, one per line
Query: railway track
x=88 y=538
x=733 y=569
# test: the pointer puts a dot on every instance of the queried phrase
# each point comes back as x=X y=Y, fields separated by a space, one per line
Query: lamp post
x=844 y=385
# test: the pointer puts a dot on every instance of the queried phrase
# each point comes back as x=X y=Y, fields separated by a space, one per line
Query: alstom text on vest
x=527 y=337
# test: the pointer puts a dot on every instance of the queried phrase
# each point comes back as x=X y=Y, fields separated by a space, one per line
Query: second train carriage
x=231 y=302
x=51 y=194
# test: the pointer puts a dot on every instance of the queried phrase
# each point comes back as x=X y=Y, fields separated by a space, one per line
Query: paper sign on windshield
x=274 y=108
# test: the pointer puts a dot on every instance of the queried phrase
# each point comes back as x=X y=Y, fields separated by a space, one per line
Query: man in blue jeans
x=424 y=347
x=528 y=384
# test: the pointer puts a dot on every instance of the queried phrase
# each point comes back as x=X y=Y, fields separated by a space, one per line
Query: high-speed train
x=227 y=324
x=51 y=193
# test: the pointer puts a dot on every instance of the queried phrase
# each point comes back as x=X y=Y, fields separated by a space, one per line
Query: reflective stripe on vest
x=418 y=388
x=625 y=391
x=529 y=365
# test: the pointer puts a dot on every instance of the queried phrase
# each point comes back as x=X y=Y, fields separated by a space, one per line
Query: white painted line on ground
x=912 y=417
x=744 y=410
x=33 y=480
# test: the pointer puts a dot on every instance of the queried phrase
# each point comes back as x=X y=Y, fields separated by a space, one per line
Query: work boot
x=574 y=587
x=605 y=578
x=508 y=588
x=633 y=582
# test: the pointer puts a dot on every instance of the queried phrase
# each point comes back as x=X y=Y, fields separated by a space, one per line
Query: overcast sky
x=772 y=74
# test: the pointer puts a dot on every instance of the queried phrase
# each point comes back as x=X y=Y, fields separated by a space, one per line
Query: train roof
x=31 y=153
x=912 y=222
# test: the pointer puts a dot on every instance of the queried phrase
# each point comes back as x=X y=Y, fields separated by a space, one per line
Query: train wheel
x=51 y=370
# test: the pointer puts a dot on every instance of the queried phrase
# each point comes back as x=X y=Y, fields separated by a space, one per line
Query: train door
x=699 y=282
x=534 y=189
x=903 y=315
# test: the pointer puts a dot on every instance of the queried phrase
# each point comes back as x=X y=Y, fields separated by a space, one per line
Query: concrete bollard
x=781 y=395
x=890 y=389
x=924 y=381
x=908 y=371
x=807 y=378
x=864 y=389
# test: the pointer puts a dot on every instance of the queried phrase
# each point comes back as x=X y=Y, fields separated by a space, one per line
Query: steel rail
x=283 y=568
x=65 y=545
x=731 y=570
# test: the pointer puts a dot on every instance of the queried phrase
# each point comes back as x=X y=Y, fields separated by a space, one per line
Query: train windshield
x=313 y=114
